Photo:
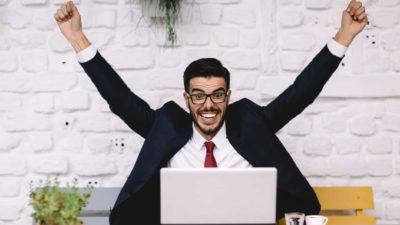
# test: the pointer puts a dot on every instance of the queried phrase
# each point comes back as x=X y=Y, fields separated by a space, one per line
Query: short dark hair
x=205 y=67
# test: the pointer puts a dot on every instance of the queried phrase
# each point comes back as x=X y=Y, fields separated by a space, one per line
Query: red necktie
x=210 y=160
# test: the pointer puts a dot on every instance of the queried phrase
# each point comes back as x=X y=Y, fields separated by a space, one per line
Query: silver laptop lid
x=218 y=195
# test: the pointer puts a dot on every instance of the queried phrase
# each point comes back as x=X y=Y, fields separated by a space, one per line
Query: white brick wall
x=52 y=119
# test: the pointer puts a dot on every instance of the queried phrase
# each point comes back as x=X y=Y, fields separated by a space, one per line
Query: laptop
x=218 y=195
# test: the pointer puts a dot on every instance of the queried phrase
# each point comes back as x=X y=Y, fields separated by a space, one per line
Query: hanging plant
x=166 y=12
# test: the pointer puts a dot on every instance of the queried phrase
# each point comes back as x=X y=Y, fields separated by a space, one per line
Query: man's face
x=208 y=116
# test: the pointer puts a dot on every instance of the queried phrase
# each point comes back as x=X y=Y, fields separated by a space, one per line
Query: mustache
x=211 y=110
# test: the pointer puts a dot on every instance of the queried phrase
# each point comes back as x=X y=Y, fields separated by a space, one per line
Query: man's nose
x=209 y=103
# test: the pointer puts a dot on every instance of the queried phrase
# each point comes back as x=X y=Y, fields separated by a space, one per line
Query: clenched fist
x=354 y=20
x=69 y=21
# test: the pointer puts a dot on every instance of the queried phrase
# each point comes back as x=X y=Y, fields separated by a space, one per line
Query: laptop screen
x=218 y=195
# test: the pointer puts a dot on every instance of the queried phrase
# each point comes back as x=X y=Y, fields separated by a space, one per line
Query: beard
x=208 y=131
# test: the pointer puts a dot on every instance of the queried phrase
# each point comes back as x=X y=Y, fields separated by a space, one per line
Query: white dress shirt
x=194 y=152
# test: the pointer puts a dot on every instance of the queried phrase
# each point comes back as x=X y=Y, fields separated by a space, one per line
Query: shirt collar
x=219 y=139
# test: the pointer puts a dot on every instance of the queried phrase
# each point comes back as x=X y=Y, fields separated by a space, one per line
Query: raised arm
x=135 y=112
x=311 y=80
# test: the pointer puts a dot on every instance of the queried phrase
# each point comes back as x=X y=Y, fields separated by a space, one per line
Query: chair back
x=346 y=205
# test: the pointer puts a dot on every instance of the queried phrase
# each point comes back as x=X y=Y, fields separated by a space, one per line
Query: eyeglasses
x=201 y=98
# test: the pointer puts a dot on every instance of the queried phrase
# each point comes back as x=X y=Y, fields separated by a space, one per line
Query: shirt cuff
x=336 y=49
x=86 y=54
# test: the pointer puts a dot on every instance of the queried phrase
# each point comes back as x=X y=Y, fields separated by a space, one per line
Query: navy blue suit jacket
x=250 y=129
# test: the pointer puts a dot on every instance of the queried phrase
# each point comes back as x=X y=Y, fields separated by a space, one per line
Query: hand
x=354 y=20
x=69 y=21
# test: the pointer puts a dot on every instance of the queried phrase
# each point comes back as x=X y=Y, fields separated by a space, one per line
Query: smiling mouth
x=208 y=115
x=208 y=118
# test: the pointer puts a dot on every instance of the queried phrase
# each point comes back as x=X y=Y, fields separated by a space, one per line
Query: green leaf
x=56 y=205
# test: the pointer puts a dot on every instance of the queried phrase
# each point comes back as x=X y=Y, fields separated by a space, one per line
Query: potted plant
x=56 y=205
x=166 y=12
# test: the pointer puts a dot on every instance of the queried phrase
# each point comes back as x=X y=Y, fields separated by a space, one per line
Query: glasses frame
x=225 y=93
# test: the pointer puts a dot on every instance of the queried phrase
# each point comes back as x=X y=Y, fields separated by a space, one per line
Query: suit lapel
x=235 y=133
x=241 y=133
x=170 y=132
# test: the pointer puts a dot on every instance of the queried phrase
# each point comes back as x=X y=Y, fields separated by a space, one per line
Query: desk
x=102 y=200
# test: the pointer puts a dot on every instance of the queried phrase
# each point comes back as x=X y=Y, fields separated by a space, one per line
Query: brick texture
x=53 y=120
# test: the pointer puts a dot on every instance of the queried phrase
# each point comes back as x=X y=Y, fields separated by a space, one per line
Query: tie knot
x=209 y=146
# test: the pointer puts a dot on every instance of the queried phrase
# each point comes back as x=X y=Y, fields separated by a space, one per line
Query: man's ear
x=186 y=98
x=228 y=95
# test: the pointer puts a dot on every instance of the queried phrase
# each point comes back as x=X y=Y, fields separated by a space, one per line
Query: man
x=215 y=133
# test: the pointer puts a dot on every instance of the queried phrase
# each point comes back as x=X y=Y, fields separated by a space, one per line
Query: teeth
x=208 y=115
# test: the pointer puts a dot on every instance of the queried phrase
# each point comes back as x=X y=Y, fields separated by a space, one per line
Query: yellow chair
x=344 y=205
x=348 y=199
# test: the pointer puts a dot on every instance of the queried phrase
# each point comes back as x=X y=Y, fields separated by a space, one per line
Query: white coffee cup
x=316 y=220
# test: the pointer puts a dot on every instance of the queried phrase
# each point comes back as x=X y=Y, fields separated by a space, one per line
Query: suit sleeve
x=304 y=90
x=134 y=111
